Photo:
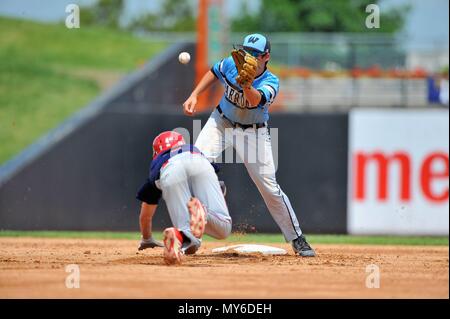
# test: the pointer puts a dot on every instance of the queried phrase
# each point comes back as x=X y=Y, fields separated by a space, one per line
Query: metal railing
x=342 y=94
x=322 y=51
x=337 y=52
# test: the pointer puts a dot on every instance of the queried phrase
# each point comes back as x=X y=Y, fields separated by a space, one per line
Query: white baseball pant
x=186 y=175
x=254 y=148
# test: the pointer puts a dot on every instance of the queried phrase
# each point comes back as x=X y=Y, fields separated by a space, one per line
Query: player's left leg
x=258 y=158
x=208 y=198
x=176 y=193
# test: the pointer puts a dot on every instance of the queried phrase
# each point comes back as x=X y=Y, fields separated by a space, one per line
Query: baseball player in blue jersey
x=240 y=121
x=187 y=181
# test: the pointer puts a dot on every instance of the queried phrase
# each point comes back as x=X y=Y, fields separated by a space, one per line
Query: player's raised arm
x=206 y=81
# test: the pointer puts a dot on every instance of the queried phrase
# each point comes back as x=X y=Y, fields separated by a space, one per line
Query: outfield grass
x=47 y=72
x=244 y=238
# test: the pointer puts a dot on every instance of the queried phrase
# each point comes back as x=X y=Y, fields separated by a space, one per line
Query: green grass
x=244 y=238
x=46 y=74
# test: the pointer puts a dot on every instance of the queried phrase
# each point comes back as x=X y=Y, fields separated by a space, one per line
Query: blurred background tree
x=317 y=16
x=104 y=13
x=272 y=16
x=175 y=15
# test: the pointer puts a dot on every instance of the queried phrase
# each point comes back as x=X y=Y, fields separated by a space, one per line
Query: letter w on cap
x=253 y=39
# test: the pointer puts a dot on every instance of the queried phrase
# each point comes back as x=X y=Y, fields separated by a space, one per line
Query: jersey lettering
x=236 y=97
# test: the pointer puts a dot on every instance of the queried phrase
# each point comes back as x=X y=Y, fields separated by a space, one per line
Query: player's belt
x=236 y=124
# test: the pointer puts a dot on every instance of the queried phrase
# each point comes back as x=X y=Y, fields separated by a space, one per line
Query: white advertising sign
x=398 y=172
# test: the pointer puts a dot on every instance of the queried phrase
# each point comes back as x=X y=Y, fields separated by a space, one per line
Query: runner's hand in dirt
x=149 y=243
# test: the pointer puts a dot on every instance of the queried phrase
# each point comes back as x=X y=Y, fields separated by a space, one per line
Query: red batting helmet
x=166 y=140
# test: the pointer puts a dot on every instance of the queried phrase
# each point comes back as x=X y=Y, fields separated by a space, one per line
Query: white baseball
x=184 y=57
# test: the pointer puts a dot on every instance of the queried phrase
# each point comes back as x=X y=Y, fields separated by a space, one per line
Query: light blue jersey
x=233 y=103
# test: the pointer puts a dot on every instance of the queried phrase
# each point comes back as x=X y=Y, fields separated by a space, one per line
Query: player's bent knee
x=222 y=233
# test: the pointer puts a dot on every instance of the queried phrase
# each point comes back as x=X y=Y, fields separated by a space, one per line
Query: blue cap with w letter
x=257 y=42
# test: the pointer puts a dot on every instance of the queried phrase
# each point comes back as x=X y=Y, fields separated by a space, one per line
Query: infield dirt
x=36 y=268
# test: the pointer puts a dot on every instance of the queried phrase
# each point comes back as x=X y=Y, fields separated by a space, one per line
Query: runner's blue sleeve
x=149 y=193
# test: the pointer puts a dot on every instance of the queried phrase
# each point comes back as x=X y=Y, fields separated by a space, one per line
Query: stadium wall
x=89 y=180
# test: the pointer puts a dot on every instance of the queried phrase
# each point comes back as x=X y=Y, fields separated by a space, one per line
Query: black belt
x=243 y=126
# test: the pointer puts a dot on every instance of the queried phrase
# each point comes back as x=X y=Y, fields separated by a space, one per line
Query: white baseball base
x=250 y=248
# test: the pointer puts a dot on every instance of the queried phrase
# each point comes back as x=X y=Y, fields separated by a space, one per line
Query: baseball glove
x=246 y=66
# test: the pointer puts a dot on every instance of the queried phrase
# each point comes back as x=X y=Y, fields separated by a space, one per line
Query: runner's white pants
x=186 y=175
x=254 y=148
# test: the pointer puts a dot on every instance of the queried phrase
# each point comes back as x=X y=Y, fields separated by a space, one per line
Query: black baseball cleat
x=301 y=247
